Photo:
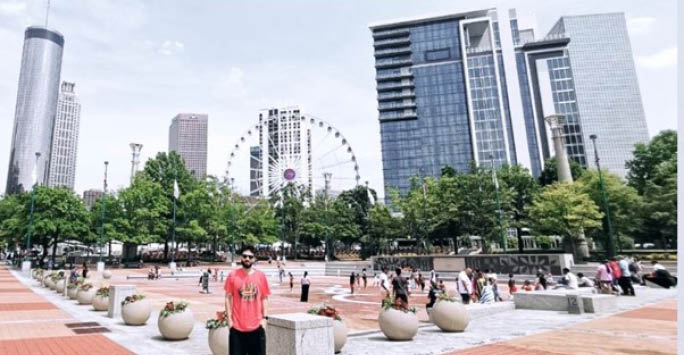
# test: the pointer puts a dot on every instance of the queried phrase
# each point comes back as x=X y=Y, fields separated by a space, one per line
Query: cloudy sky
x=137 y=63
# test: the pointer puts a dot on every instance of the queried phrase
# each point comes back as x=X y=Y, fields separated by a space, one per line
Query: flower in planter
x=220 y=321
x=172 y=307
x=397 y=304
x=326 y=311
x=74 y=285
x=131 y=299
x=103 y=292
x=86 y=287
x=445 y=297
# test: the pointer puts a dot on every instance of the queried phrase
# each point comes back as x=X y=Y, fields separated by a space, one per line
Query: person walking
x=364 y=276
x=291 y=281
x=511 y=285
x=625 y=279
x=306 y=283
x=604 y=277
x=464 y=286
x=247 y=294
x=352 y=279
x=85 y=270
x=384 y=283
x=204 y=280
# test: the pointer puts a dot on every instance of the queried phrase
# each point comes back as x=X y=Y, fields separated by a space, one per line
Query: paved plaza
x=36 y=320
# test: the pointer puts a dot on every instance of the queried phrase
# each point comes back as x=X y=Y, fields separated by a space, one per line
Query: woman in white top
x=306 y=282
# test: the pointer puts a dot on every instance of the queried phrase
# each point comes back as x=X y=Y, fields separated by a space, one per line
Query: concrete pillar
x=117 y=293
x=299 y=334
x=26 y=268
x=100 y=267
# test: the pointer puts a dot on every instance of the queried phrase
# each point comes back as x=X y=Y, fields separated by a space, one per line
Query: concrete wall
x=526 y=264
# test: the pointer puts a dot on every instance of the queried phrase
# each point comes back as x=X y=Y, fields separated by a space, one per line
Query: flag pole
x=173 y=229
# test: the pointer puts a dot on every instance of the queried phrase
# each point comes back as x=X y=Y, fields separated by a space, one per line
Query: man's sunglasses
x=245 y=256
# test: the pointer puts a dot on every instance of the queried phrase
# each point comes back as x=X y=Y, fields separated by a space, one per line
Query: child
x=511 y=285
x=527 y=286
x=291 y=281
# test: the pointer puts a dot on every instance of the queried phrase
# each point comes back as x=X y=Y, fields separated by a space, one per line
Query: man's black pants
x=247 y=343
x=626 y=285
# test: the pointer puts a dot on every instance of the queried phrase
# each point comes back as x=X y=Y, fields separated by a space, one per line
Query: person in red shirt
x=615 y=271
x=247 y=295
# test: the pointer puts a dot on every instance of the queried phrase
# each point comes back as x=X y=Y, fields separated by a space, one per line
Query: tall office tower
x=90 y=196
x=285 y=143
x=188 y=138
x=475 y=87
x=65 y=138
x=39 y=77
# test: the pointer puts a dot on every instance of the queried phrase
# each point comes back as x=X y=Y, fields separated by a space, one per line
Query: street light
x=33 y=193
x=232 y=239
x=611 y=244
x=498 y=204
x=102 y=210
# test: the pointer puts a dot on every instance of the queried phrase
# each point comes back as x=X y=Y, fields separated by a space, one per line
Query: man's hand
x=263 y=323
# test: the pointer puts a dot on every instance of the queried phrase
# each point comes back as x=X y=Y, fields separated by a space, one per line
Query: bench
x=553 y=300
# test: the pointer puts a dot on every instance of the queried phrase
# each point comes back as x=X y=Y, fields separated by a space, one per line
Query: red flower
x=220 y=316
x=169 y=307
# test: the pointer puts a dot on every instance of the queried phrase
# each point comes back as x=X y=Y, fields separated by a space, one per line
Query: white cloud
x=640 y=25
x=663 y=59
x=171 y=47
x=12 y=8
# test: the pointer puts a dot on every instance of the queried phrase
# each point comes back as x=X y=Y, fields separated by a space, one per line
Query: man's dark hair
x=580 y=275
x=397 y=271
x=248 y=248
x=653 y=262
x=566 y=270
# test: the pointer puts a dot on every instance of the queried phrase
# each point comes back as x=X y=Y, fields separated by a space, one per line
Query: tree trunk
x=521 y=248
x=166 y=250
x=54 y=251
x=109 y=250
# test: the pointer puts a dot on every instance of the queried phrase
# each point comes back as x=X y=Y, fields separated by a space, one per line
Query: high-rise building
x=285 y=143
x=65 y=138
x=188 y=138
x=39 y=78
x=90 y=196
x=476 y=86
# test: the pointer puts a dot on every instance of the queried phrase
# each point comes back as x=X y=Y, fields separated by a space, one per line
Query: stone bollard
x=100 y=267
x=117 y=293
x=575 y=304
x=26 y=268
x=299 y=334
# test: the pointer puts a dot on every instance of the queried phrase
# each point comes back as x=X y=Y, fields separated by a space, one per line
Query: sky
x=136 y=64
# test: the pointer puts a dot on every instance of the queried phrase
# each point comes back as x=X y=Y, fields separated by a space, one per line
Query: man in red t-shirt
x=247 y=294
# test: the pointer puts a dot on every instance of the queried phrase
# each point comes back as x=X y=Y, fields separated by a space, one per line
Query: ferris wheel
x=288 y=147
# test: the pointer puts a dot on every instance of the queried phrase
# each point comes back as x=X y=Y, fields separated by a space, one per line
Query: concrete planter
x=398 y=325
x=101 y=303
x=136 y=313
x=60 y=285
x=106 y=274
x=86 y=297
x=44 y=280
x=72 y=293
x=176 y=326
x=340 y=334
x=218 y=340
x=450 y=316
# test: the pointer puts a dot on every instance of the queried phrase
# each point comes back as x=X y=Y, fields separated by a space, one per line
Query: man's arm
x=229 y=307
x=264 y=305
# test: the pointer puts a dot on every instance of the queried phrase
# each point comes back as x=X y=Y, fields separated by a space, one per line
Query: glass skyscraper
x=474 y=87
x=65 y=138
x=188 y=138
x=39 y=77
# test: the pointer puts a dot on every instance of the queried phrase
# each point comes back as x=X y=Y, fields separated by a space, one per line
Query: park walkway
x=29 y=324
x=650 y=330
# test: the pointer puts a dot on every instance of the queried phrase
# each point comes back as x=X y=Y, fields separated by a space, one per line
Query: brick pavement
x=650 y=330
x=30 y=325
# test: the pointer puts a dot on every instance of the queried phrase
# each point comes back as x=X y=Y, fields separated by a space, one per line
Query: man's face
x=469 y=272
x=247 y=259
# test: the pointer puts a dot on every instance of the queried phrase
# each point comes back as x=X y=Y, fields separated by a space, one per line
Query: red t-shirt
x=615 y=269
x=248 y=292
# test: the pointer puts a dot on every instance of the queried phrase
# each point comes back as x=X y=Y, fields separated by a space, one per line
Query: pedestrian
x=615 y=272
x=464 y=286
x=541 y=281
x=487 y=291
x=384 y=283
x=215 y=274
x=527 y=286
x=421 y=282
x=604 y=277
x=625 y=279
x=281 y=271
x=306 y=283
x=399 y=286
x=569 y=280
x=291 y=281
x=364 y=276
x=205 y=281
x=352 y=279
x=432 y=295
x=247 y=293
x=156 y=272
x=511 y=285
x=584 y=281
x=432 y=276
x=222 y=275
x=480 y=282
x=85 y=270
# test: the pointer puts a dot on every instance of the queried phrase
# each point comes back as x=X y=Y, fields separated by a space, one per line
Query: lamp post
x=30 y=230
x=498 y=205
x=327 y=177
x=604 y=198
x=232 y=238
x=102 y=212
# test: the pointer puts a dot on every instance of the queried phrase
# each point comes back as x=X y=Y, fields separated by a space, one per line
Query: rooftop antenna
x=47 y=13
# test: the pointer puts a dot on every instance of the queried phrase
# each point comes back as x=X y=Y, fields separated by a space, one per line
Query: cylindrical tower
x=39 y=78
x=135 y=160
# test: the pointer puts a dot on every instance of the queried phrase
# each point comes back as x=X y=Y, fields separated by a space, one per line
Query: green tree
x=145 y=209
x=523 y=188
x=550 y=173
x=624 y=204
x=115 y=222
x=58 y=215
x=359 y=204
x=290 y=209
x=258 y=224
x=563 y=209
x=647 y=157
x=383 y=229
x=12 y=219
x=659 y=210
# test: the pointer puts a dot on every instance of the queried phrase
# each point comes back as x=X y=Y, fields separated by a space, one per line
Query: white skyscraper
x=188 y=138
x=65 y=138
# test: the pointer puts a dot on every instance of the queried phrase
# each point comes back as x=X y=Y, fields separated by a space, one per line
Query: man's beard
x=246 y=264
